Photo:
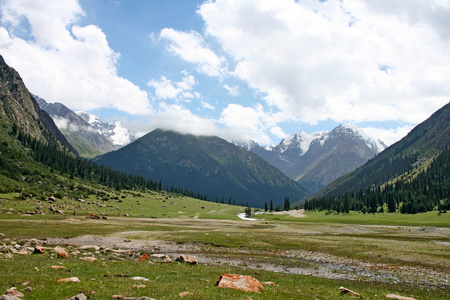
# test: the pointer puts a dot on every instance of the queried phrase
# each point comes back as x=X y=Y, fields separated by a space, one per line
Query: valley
x=373 y=254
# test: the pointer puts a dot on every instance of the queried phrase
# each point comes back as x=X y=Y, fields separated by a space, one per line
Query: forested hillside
x=425 y=188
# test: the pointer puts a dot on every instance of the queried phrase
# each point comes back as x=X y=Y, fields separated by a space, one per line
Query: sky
x=253 y=69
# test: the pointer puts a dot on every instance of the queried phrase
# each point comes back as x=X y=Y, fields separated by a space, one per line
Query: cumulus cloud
x=166 y=89
x=191 y=47
x=344 y=60
x=62 y=61
x=232 y=90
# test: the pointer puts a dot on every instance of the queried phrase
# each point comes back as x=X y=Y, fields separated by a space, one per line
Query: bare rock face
x=240 y=282
x=187 y=259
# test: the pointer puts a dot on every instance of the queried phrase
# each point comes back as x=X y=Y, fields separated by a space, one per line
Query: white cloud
x=190 y=46
x=64 y=62
x=207 y=105
x=232 y=90
x=389 y=136
x=317 y=60
x=166 y=89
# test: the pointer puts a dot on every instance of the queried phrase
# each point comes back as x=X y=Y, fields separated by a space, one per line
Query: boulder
x=14 y=292
x=39 y=249
x=398 y=297
x=347 y=291
x=78 y=297
x=244 y=283
x=143 y=257
x=89 y=259
x=9 y=297
x=187 y=259
x=70 y=279
x=93 y=216
x=61 y=252
x=162 y=258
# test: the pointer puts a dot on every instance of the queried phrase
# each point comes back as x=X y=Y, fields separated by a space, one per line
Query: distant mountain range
x=208 y=165
x=86 y=132
x=420 y=145
x=317 y=159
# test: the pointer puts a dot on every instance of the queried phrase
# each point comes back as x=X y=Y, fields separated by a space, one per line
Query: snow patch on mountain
x=119 y=135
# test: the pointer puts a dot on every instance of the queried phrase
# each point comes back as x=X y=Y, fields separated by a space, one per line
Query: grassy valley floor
x=306 y=258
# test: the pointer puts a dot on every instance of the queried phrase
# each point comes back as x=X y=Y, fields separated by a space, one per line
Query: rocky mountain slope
x=317 y=159
x=421 y=144
x=18 y=107
x=207 y=165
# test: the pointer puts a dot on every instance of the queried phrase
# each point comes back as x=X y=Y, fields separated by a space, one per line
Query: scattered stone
x=61 y=252
x=78 y=297
x=187 y=259
x=10 y=297
x=28 y=289
x=58 y=267
x=347 y=291
x=398 y=297
x=184 y=294
x=268 y=283
x=23 y=252
x=139 y=286
x=162 y=258
x=2 y=235
x=89 y=259
x=93 y=216
x=143 y=257
x=8 y=256
x=39 y=249
x=14 y=292
x=70 y=279
x=244 y=283
x=138 y=278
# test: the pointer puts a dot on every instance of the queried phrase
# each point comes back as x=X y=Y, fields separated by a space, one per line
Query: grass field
x=306 y=258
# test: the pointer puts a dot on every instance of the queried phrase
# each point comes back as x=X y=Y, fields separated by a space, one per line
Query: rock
x=10 y=297
x=28 y=289
x=139 y=286
x=93 y=216
x=160 y=258
x=39 y=249
x=8 y=256
x=2 y=235
x=23 y=252
x=61 y=252
x=187 y=259
x=240 y=282
x=268 y=283
x=14 y=292
x=57 y=267
x=398 y=297
x=70 y=279
x=347 y=291
x=138 y=278
x=143 y=257
x=78 y=297
x=184 y=294
x=89 y=259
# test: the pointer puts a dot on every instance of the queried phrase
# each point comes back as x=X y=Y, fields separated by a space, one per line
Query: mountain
x=19 y=108
x=207 y=165
x=421 y=144
x=317 y=159
x=82 y=135
x=114 y=131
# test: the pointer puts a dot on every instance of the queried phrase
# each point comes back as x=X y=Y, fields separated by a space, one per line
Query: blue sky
x=254 y=69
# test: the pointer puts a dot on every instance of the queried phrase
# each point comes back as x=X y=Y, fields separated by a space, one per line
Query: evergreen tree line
x=61 y=159
x=429 y=190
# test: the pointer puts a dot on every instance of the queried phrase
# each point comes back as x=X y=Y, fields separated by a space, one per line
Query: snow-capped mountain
x=119 y=135
x=86 y=132
x=314 y=160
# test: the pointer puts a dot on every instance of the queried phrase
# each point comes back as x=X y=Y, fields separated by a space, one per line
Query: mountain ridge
x=314 y=160
x=208 y=165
